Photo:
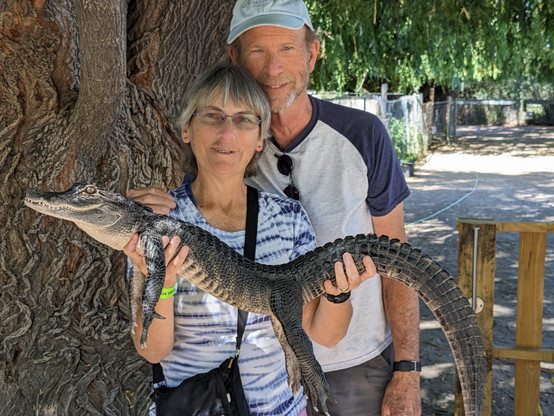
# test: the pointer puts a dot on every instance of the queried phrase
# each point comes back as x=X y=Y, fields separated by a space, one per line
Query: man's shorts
x=359 y=390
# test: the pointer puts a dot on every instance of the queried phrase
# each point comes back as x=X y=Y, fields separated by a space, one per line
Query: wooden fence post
x=485 y=262
x=528 y=351
x=530 y=295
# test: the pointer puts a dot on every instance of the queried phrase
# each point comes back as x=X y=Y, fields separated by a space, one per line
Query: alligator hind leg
x=291 y=363
x=286 y=305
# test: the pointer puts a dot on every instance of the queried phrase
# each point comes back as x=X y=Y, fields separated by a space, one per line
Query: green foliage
x=396 y=132
x=408 y=141
x=408 y=43
x=538 y=110
x=515 y=89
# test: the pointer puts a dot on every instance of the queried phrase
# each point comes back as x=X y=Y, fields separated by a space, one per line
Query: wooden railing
x=476 y=266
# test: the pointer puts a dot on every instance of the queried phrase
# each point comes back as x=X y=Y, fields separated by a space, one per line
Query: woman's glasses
x=285 y=166
x=216 y=118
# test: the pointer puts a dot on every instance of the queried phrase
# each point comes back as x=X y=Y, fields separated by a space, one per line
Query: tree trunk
x=88 y=91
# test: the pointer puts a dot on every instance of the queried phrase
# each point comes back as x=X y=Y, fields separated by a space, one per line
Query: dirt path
x=505 y=174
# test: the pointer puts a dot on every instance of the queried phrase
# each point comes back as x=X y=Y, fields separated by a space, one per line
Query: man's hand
x=156 y=198
x=402 y=397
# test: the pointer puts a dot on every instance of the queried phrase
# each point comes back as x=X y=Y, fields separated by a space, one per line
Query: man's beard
x=280 y=104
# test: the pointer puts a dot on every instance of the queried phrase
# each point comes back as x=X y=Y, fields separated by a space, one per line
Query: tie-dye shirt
x=206 y=328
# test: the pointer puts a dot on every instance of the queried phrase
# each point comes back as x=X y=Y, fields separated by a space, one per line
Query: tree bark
x=88 y=91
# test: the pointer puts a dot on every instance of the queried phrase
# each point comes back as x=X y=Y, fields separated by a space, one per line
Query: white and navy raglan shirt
x=346 y=171
x=206 y=328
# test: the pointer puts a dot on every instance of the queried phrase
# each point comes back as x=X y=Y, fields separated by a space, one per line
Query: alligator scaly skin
x=278 y=291
x=395 y=260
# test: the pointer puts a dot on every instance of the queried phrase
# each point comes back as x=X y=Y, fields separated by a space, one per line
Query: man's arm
x=156 y=198
x=402 y=308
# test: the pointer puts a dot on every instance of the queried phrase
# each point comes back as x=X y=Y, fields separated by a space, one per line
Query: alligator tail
x=400 y=262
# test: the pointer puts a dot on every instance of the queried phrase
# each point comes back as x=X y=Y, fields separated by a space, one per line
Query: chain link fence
x=404 y=117
x=414 y=125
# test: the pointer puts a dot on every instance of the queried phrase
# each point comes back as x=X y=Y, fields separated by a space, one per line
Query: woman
x=223 y=125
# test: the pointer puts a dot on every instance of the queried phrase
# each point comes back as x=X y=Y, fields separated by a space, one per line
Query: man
x=339 y=162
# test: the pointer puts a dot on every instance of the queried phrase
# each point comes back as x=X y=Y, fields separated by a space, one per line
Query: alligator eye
x=90 y=189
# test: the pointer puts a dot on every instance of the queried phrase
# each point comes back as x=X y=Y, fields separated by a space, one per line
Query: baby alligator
x=278 y=291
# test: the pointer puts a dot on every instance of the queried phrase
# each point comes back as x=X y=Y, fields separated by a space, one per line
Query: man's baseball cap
x=290 y=14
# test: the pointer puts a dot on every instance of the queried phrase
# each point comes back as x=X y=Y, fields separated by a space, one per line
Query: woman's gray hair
x=232 y=83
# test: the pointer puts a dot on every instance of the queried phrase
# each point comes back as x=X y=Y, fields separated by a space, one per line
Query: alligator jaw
x=107 y=217
x=44 y=206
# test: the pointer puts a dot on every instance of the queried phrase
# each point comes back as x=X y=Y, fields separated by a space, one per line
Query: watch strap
x=406 y=366
x=340 y=298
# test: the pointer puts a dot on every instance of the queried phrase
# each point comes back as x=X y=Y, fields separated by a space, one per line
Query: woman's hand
x=174 y=257
x=326 y=322
x=161 y=331
x=347 y=275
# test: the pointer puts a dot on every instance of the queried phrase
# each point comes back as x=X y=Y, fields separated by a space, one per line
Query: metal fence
x=404 y=117
x=414 y=125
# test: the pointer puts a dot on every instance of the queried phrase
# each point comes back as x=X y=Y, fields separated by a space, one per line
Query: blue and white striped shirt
x=206 y=328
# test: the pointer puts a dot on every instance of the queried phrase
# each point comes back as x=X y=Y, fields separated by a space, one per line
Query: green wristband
x=167 y=292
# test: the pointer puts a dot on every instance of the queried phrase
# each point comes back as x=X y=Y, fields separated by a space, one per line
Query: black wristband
x=343 y=297
x=406 y=366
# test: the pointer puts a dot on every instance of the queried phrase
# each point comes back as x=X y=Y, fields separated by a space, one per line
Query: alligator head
x=106 y=216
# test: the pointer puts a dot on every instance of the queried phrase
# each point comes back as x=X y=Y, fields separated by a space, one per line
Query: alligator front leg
x=155 y=264
x=136 y=285
x=286 y=305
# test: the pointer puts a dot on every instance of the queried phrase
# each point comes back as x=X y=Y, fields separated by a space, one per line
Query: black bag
x=219 y=391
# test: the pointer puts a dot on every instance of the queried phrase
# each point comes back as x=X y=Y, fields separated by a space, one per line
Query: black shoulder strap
x=158 y=375
x=252 y=207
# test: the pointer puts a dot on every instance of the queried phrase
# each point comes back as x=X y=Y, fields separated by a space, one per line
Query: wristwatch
x=406 y=366
x=340 y=298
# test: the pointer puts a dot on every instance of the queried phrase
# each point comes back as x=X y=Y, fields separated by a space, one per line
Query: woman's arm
x=161 y=332
x=326 y=322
